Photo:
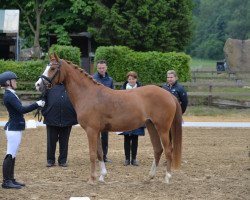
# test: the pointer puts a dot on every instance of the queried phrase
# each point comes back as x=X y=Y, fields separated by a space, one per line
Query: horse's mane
x=82 y=71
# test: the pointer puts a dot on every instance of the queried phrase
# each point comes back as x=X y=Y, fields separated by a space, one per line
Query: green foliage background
x=150 y=66
x=215 y=22
x=69 y=53
x=150 y=25
x=28 y=71
x=198 y=27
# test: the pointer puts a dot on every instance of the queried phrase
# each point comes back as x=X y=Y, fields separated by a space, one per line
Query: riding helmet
x=8 y=75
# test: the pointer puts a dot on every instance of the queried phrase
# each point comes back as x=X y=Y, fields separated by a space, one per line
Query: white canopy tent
x=9 y=27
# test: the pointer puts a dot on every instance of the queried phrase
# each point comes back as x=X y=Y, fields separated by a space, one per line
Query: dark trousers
x=130 y=145
x=105 y=143
x=54 y=134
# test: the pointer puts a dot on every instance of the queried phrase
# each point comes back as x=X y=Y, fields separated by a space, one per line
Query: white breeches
x=13 y=142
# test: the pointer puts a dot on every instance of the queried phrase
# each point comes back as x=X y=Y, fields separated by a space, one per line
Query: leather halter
x=48 y=84
x=48 y=81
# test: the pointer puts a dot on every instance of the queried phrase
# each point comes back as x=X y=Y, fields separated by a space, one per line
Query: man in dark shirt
x=102 y=76
x=176 y=89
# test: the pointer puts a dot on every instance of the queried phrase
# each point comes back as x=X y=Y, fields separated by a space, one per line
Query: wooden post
x=193 y=76
x=210 y=95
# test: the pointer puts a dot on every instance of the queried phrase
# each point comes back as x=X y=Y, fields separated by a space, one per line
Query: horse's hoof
x=167 y=178
x=101 y=179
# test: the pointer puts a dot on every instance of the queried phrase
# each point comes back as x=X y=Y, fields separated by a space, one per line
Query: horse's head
x=51 y=75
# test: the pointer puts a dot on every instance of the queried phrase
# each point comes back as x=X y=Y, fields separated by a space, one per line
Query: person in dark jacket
x=59 y=117
x=14 y=127
x=131 y=137
x=102 y=76
x=176 y=89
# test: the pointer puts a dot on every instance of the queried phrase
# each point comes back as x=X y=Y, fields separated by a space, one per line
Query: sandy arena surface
x=216 y=165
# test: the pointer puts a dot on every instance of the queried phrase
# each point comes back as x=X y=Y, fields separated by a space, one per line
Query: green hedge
x=28 y=71
x=69 y=53
x=150 y=66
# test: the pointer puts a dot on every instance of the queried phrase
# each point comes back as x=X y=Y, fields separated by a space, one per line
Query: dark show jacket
x=15 y=109
x=105 y=80
x=58 y=110
x=179 y=92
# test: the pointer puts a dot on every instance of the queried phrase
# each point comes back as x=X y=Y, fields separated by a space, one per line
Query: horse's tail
x=176 y=135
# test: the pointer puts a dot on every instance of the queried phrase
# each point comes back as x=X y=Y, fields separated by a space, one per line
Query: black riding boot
x=127 y=150
x=7 y=166
x=12 y=174
x=134 y=150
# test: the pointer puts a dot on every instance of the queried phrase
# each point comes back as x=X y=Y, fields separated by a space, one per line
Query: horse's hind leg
x=168 y=153
x=103 y=169
x=157 y=147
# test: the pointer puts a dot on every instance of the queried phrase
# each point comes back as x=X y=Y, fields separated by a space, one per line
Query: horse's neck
x=77 y=85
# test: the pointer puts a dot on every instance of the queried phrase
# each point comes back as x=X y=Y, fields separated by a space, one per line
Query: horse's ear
x=56 y=57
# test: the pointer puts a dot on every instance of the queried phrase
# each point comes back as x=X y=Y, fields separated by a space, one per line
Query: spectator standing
x=102 y=76
x=176 y=89
x=131 y=137
x=14 y=127
x=59 y=117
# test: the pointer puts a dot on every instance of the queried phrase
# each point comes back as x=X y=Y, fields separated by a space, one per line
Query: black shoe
x=17 y=183
x=126 y=162
x=107 y=160
x=63 y=164
x=8 y=184
x=50 y=164
x=134 y=162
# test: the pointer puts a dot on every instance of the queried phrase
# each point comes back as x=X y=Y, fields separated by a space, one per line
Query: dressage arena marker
x=31 y=124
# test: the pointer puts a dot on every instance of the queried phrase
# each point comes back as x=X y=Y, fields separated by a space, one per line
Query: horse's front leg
x=92 y=139
x=103 y=169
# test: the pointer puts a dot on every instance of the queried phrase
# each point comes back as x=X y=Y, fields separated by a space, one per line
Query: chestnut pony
x=100 y=108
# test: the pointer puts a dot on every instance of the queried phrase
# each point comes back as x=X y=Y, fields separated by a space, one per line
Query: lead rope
x=38 y=113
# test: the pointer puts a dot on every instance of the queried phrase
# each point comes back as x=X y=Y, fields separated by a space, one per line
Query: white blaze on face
x=39 y=84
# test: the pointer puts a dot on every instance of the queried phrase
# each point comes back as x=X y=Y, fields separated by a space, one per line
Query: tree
x=40 y=17
x=38 y=9
x=215 y=22
x=143 y=25
x=162 y=25
x=68 y=16
x=31 y=10
x=238 y=26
